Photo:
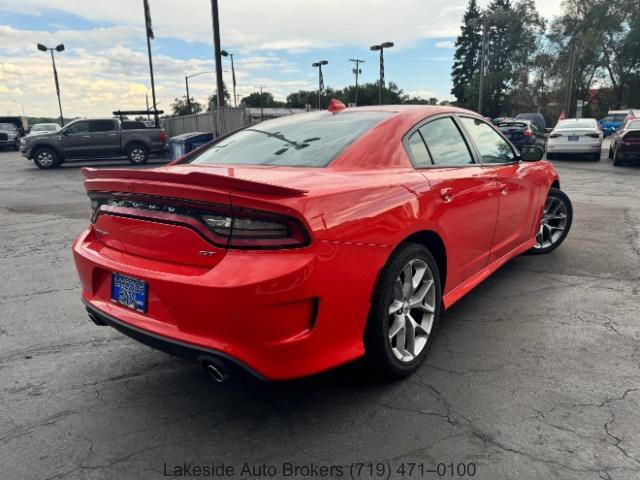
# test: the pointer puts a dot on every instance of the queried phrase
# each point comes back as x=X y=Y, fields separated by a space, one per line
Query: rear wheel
x=555 y=222
x=46 y=158
x=618 y=160
x=404 y=312
x=137 y=154
x=610 y=153
x=550 y=156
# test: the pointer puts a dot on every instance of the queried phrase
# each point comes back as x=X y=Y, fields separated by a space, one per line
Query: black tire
x=610 y=153
x=618 y=160
x=378 y=348
x=596 y=157
x=137 y=153
x=560 y=195
x=46 y=158
x=550 y=156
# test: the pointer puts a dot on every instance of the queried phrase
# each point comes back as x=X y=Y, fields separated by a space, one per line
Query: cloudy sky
x=105 y=65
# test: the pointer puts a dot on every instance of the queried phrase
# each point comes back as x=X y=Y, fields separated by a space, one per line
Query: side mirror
x=531 y=153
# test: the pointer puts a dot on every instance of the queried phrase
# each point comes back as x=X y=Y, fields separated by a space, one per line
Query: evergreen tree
x=466 y=59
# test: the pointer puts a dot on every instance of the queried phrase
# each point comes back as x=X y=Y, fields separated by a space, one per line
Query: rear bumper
x=280 y=314
x=588 y=148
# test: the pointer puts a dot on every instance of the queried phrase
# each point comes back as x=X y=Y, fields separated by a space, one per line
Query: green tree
x=180 y=107
x=254 y=100
x=466 y=57
x=213 y=99
x=301 y=98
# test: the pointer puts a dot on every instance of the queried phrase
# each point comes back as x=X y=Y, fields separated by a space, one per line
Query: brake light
x=246 y=228
x=222 y=225
x=528 y=133
x=163 y=136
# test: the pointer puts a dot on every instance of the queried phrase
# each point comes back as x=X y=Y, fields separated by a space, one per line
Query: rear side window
x=445 y=142
x=419 y=153
x=103 y=125
x=493 y=148
x=305 y=140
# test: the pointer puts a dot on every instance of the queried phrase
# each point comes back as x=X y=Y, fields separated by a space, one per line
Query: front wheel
x=46 y=158
x=618 y=160
x=404 y=312
x=555 y=222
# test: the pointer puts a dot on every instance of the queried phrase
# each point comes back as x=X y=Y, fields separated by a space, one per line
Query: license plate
x=129 y=292
x=573 y=138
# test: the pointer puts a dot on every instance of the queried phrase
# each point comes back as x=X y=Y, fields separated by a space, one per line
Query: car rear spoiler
x=96 y=176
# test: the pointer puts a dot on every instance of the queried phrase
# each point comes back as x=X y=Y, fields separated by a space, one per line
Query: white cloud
x=445 y=44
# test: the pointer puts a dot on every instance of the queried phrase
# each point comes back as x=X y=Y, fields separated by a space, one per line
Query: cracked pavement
x=535 y=374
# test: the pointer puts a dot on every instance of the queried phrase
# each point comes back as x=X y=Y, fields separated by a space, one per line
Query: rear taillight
x=163 y=136
x=528 y=133
x=224 y=226
x=246 y=228
x=593 y=135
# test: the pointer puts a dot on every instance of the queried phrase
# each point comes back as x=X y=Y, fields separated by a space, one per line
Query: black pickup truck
x=94 y=138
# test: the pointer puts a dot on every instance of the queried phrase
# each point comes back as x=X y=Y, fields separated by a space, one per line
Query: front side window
x=493 y=148
x=78 y=127
x=445 y=142
x=306 y=140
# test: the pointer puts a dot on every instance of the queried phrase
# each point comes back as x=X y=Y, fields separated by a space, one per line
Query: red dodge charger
x=299 y=244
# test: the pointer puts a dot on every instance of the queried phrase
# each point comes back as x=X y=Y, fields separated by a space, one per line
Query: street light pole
x=357 y=71
x=217 y=51
x=186 y=82
x=224 y=53
x=319 y=64
x=59 y=48
x=485 y=25
x=381 y=48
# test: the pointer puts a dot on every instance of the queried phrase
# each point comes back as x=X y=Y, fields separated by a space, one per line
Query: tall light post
x=217 y=52
x=224 y=53
x=186 y=82
x=375 y=48
x=59 y=48
x=319 y=65
x=21 y=105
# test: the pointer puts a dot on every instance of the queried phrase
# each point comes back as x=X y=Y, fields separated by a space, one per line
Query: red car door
x=464 y=195
x=516 y=190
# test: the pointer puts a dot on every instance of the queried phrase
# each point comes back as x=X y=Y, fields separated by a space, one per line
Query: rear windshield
x=7 y=126
x=305 y=140
x=616 y=117
x=572 y=125
x=635 y=124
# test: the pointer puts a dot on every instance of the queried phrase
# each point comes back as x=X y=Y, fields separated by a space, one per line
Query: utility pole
x=59 y=48
x=186 y=82
x=224 y=53
x=381 y=48
x=217 y=51
x=572 y=60
x=357 y=71
x=483 y=58
x=261 y=105
x=146 y=97
x=149 y=28
x=319 y=64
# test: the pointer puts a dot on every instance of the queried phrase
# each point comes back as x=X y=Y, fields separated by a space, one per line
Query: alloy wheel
x=552 y=224
x=137 y=155
x=45 y=159
x=412 y=310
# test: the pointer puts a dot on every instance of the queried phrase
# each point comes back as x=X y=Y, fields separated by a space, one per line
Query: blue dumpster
x=182 y=144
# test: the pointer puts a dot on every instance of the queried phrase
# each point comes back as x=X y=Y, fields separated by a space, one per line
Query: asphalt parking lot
x=534 y=375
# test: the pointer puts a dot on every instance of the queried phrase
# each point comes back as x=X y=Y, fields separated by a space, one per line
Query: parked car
x=38 y=128
x=615 y=119
x=305 y=242
x=91 y=139
x=523 y=132
x=625 y=144
x=20 y=123
x=575 y=136
x=536 y=118
x=9 y=136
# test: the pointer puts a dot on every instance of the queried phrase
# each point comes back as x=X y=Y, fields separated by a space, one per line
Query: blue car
x=614 y=120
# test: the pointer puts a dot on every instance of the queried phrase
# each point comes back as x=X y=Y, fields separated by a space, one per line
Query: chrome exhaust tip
x=215 y=372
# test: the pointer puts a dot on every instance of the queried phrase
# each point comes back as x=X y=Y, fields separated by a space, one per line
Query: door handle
x=86 y=136
x=446 y=194
x=111 y=135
